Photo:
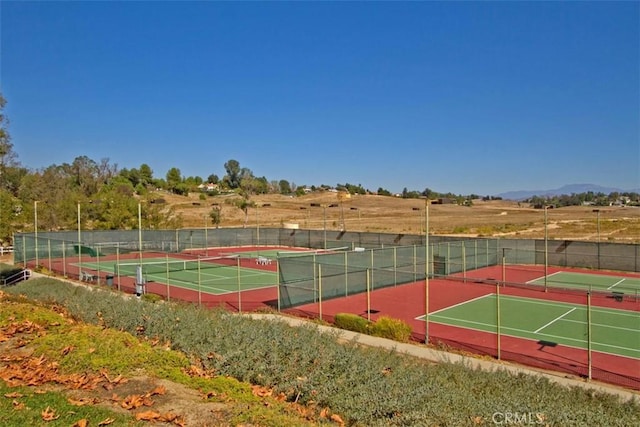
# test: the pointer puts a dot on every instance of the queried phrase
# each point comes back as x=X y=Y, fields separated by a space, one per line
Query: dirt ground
x=372 y=213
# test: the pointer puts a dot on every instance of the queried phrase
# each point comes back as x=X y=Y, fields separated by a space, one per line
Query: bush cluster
x=366 y=386
x=352 y=322
x=385 y=327
x=394 y=329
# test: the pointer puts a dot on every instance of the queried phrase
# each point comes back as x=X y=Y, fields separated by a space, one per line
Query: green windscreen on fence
x=306 y=279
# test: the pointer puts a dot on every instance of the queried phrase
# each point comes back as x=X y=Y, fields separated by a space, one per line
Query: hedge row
x=367 y=387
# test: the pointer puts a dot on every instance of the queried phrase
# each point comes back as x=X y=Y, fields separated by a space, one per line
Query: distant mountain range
x=566 y=189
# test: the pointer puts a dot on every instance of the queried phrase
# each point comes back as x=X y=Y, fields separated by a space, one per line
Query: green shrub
x=152 y=298
x=352 y=322
x=394 y=329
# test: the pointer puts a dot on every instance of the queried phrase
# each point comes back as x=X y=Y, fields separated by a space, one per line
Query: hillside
x=371 y=213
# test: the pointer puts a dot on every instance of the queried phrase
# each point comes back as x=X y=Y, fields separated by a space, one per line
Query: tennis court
x=591 y=282
x=613 y=331
x=217 y=276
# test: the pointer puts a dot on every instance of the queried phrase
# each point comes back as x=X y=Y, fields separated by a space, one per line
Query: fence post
x=49 y=252
x=320 y=291
x=278 y=282
x=24 y=251
x=346 y=275
x=371 y=267
x=395 y=266
x=368 y=294
x=64 y=260
x=98 y=262
x=464 y=263
x=589 y=335
x=498 y=318
x=168 y=279
x=239 y=285
x=315 y=279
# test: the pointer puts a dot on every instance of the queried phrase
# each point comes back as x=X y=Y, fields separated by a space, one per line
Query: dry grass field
x=371 y=213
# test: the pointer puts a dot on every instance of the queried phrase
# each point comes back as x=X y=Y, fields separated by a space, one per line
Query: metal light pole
x=546 y=248
x=589 y=336
x=140 y=232
x=79 y=245
x=498 y=313
x=426 y=272
x=35 y=228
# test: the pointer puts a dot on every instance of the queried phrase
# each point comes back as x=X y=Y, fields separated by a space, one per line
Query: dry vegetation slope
x=395 y=215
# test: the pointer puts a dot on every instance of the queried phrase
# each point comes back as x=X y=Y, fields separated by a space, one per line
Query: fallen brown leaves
x=22 y=368
x=136 y=401
x=28 y=370
x=307 y=412
x=35 y=371
x=49 y=414
x=168 y=417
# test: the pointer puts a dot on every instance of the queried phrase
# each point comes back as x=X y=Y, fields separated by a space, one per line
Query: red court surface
x=407 y=302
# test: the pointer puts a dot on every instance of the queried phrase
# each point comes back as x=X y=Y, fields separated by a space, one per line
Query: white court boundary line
x=457 y=305
x=535 y=281
x=554 y=320
x=616 y=284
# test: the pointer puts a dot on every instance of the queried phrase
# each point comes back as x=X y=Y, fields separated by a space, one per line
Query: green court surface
x=208 y=277
x=592 y=282
x=612 y=331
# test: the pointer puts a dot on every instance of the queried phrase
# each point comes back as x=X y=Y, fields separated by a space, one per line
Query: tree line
x=98 y=195
x=588 y=198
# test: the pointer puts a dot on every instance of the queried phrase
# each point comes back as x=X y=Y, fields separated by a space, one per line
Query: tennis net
x=170 y=265
x=283 y=254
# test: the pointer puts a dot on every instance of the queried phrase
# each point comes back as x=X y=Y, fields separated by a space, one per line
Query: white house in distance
x=207 y=187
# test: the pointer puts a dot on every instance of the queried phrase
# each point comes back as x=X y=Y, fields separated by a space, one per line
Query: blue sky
x=466 y=97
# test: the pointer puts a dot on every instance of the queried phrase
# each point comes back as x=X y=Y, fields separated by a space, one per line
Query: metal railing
x=17 y=277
